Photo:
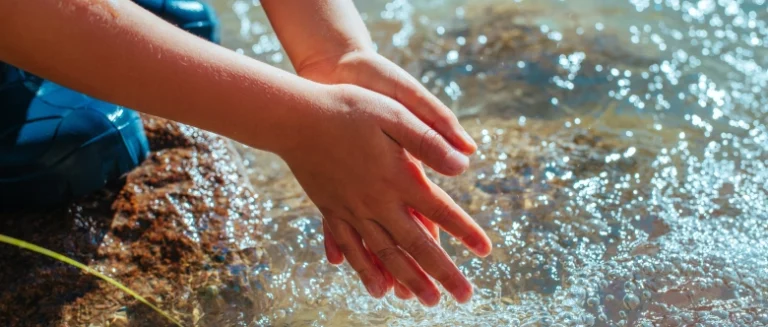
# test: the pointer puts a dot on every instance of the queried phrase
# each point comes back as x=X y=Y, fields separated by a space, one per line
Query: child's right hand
x=355 y=156
x=350 y=148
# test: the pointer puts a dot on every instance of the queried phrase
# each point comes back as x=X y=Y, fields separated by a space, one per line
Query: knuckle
x=387 y=254
x=446 y=116
x=419 y=247
x=412 y=94
x=399 y=114
x=440 y=213
x=429 y=144
x=396 y=118
x=448 y=122
x=363 y=272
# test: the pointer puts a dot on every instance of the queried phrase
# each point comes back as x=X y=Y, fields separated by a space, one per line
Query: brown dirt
x=181 y=230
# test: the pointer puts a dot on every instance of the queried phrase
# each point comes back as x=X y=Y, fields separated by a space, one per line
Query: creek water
x=621 y=172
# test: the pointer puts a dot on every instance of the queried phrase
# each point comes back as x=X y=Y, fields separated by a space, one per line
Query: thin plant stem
x=65 y=259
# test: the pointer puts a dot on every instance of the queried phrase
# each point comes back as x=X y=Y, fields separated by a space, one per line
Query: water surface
x=621 y=171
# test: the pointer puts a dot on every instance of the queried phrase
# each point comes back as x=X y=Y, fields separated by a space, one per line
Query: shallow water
x=621 y=172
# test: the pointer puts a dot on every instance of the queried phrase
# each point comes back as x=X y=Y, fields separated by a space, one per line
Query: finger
x=402 y=292
x=402 y=267
x=389 y=280
x=412 y=237
x=431 y=227
x=428 y=224
x=425 y=144
x=332 y=251
x=350 y=243
x=395 y=82
x=436 y=205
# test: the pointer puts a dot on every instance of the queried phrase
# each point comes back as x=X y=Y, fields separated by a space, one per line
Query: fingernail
x=457 y=162
x=468 y=139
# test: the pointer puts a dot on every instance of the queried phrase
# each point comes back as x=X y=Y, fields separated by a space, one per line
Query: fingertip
x=430 y=299
x=469 y=144
x=335 y=260
x=481 y=246
x=402 y=293
x=375 y=289
x=488 y=246
x=464 y=295
x=456 y=163
x=485 y=250
x=333 y=253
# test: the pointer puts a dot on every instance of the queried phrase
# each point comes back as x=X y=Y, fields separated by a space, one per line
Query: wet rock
x=168 y=231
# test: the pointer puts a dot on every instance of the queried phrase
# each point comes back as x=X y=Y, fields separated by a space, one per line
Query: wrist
x=300 y=117
x=324 y=62
x=275 y=122
x=336 y=68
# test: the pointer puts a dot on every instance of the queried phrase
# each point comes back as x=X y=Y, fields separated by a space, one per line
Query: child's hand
x=346 y=145
x=372 y=71
x=353 y=158
x=336 y=255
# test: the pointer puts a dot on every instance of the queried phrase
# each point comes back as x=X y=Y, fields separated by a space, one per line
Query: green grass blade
x=62 y=258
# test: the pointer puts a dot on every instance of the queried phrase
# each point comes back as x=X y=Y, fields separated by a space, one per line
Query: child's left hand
x=368 y=69
x=372 y=71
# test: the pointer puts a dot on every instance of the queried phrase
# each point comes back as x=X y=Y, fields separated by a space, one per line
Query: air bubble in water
x=631 y=301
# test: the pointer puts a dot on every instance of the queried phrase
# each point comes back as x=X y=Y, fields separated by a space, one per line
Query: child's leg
x=57 y=144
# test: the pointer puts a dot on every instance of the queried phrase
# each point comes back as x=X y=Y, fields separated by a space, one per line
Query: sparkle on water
x=621 y=172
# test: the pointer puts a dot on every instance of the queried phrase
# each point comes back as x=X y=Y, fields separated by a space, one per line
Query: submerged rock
x=181 y=230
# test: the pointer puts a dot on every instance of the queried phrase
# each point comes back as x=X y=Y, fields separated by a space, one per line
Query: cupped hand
x=358 y=159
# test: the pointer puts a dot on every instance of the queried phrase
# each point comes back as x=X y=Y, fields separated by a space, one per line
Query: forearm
x=118 y=52
x=312 y=30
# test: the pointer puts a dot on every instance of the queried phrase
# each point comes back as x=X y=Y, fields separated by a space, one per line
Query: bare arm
x=345 y=144
x=328 y=42
x=116 y=51
x=328 y=28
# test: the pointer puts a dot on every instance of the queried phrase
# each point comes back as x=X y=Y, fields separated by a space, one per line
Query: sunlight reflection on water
x=621 y=170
